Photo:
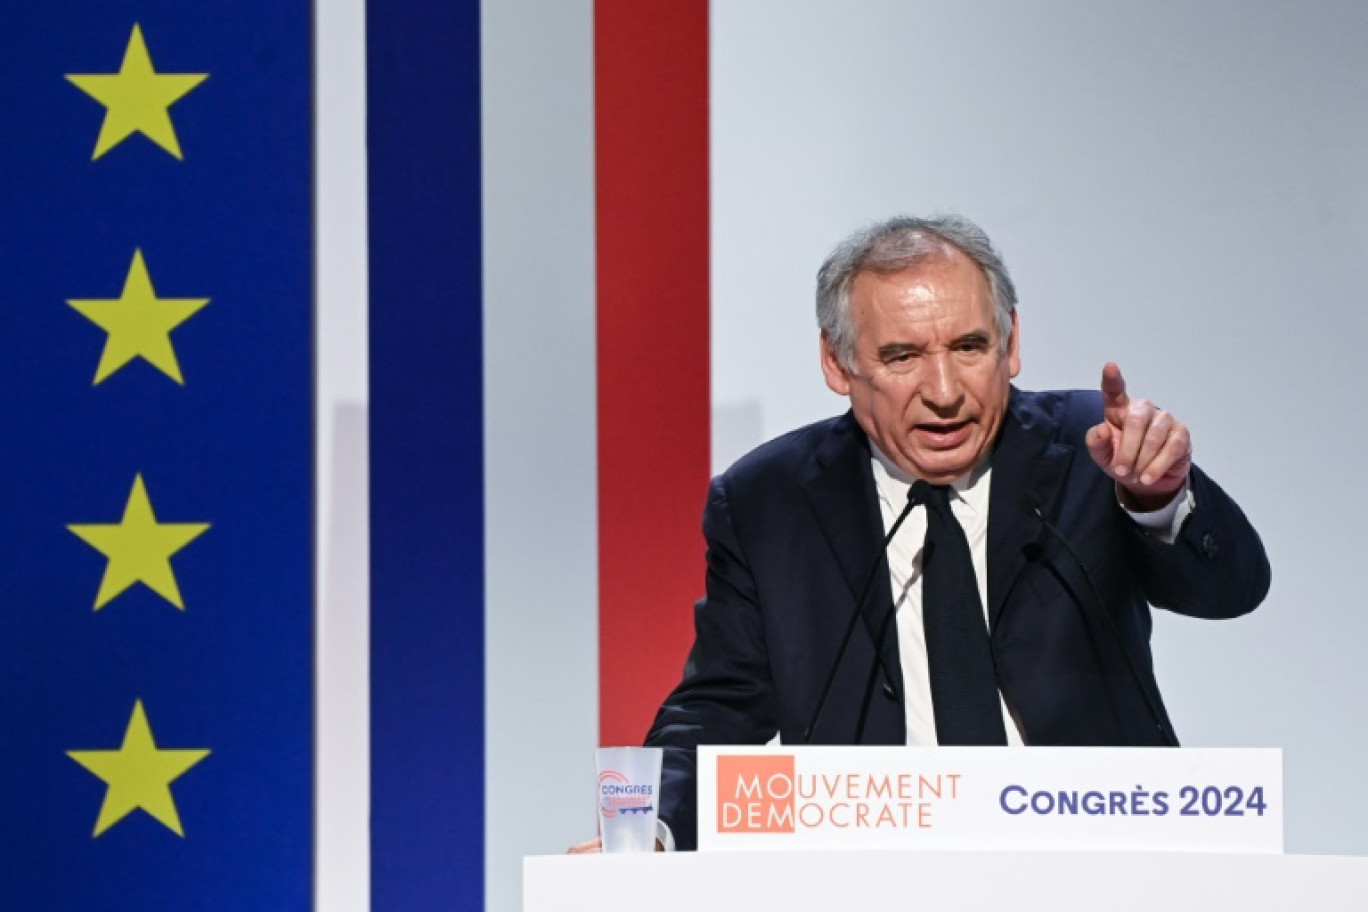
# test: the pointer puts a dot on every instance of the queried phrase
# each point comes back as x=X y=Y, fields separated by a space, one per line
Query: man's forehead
x=922 y=295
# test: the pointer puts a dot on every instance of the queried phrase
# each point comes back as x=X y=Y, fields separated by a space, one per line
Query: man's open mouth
x=943 y=433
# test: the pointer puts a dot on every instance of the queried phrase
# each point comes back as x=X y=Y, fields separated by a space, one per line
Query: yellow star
x=136 y=98
x=139 y=549
x=139 y=323
x=138 y=775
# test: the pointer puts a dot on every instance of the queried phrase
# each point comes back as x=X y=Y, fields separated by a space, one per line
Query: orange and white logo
x=755 y=793
x=765 y=793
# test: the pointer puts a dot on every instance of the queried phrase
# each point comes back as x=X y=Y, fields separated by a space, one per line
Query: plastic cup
x=628 y=797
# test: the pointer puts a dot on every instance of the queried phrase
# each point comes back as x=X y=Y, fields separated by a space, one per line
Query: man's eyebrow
x=894 y=349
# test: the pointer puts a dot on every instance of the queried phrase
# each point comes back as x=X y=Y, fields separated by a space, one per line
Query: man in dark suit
x=1078 y=509
x=1073 y=512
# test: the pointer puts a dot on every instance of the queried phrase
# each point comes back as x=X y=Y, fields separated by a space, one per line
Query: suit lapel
x=1029 y=466
x=840 y=489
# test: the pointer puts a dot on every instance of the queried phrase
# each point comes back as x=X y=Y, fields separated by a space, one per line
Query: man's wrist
x=1146 y=503
x=1162 y=523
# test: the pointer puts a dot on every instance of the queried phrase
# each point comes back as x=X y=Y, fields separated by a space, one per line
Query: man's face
x=930 y=383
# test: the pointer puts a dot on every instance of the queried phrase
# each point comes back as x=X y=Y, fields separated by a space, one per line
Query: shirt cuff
x=1164 y=523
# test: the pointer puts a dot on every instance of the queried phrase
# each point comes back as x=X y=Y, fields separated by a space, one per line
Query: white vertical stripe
x=342 y=579
x=541 y=539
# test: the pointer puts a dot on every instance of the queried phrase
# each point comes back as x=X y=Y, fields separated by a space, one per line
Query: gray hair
x=901 y=243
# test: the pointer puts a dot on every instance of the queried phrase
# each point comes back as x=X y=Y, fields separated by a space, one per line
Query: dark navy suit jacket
x=793 y=529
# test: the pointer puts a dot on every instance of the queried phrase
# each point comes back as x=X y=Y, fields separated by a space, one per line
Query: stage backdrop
x=1180 y=187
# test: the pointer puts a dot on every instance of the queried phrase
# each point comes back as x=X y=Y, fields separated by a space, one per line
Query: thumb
x=1099 y=440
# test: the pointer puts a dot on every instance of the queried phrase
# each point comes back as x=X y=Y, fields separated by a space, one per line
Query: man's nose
x=941 y=387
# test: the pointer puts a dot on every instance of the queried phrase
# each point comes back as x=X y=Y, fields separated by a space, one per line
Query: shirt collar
x=893 y=483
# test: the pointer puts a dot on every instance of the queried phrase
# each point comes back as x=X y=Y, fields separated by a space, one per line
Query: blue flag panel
x=156 y=569
x=426 y=456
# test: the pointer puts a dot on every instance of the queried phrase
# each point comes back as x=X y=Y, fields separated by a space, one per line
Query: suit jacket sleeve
x=726 y=695
x=1215 y=568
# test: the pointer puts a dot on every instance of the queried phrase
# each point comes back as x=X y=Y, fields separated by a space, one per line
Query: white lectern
x=1048 y=829
x=843 y=881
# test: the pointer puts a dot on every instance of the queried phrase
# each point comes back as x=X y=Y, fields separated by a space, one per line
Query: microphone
x=850 y=629
x=1032 y=506
x=878 y=651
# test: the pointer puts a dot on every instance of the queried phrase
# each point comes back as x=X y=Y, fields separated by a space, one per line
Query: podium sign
x=1039 y=798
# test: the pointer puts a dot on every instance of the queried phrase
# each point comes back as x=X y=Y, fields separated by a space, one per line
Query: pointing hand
x=1144 y=449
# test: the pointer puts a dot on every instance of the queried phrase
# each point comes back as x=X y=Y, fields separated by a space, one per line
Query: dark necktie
x=963 y=683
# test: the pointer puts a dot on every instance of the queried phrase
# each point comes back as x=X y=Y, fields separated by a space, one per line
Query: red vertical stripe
x=651 y=132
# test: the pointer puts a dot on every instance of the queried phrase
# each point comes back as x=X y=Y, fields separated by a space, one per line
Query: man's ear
x=837 y=377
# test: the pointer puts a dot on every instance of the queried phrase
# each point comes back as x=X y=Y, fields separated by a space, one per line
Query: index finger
x=1114 y=387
